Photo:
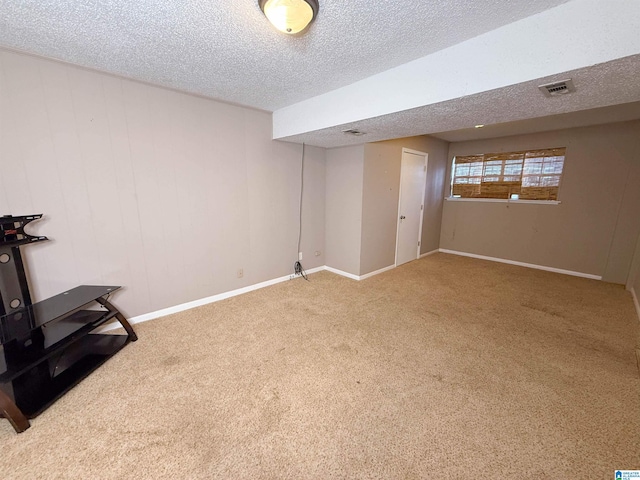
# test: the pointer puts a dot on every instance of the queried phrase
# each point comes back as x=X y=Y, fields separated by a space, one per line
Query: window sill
x=501 y=200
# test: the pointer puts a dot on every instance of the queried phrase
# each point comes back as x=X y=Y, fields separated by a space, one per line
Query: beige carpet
x=447 y=367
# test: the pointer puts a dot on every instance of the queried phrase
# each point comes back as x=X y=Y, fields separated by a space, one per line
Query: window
x=528 y=175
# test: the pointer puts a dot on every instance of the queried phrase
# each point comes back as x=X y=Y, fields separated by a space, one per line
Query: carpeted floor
x=447 y=367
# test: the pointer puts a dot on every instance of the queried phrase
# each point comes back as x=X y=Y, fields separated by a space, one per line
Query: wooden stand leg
x=11 y=412
x=123 y=321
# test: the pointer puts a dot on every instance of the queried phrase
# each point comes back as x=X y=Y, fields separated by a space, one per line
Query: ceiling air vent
x=558 y=88
x=354 y=131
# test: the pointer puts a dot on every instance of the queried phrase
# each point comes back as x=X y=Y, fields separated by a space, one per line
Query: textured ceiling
x=512 y=110
x=228 y=51
x=582 y=118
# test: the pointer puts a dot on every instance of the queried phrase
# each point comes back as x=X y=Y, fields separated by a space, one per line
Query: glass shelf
x=20 y=323
x=50 y=346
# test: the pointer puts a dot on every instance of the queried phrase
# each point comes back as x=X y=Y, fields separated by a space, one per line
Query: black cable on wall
x=297 y=266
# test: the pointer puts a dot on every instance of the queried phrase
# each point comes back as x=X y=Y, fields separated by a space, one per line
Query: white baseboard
x=204 y=301
x=522 y=264
x=371 y=274
x=357 y=277
x=222 y=296
x=342 y=273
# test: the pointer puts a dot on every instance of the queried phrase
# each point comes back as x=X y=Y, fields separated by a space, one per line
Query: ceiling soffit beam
x=609 y=84
x=573 y=35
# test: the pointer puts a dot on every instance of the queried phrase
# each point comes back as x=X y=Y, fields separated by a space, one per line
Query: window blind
x=526 y=175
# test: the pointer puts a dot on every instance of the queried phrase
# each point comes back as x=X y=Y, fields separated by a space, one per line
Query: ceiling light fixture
x=479 y=126
x=290 y=16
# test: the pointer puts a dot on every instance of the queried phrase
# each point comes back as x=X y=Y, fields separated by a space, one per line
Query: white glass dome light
x=290 y=16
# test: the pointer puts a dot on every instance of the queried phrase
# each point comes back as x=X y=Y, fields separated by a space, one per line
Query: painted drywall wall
x=382 y=164
x=594 y=228
x=633 y=280
x=312 y=234
x=343 y=225
x=633 y=283
x=381 y=185
x=166 y=194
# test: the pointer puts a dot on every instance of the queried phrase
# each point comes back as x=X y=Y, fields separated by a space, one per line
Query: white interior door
x=413 y=176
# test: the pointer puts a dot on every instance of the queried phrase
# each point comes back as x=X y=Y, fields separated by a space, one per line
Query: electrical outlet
x=240 y=273
x=299 y=256
x=317 y=253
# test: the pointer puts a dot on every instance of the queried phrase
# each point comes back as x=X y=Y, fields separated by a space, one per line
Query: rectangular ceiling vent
x=354 y=131
x=558 y=88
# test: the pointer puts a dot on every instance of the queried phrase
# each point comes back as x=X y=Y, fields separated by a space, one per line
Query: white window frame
x=452 y=198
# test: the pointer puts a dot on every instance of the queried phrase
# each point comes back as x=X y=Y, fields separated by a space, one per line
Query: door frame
x=424 y=189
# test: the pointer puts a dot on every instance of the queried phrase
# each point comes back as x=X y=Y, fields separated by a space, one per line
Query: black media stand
x=49 y=346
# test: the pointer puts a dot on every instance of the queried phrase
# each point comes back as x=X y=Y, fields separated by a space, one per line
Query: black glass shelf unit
x=50 y=346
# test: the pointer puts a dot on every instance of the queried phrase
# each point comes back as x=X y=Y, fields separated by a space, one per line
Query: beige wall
x=633 y=281
x=382 y=163
x=164 y=193
x=343 y=225
x=313 y=206
x=593 y=230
